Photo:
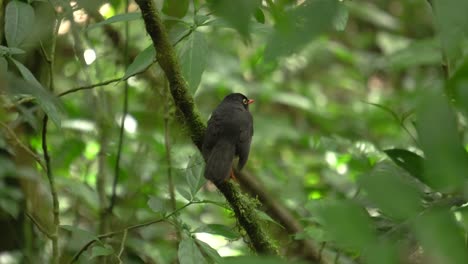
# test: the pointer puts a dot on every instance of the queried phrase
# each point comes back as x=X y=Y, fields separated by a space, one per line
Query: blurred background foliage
x=360 y=129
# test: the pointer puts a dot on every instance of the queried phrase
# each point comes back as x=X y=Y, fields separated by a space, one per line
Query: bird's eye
x=245 y=101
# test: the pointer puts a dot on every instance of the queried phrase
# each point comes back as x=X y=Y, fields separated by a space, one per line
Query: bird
x=228 y=135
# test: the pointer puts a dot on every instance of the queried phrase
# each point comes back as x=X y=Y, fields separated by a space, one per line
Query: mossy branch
x=244 y=207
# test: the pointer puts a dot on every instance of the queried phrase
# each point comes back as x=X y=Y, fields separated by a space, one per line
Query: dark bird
x=229 y=133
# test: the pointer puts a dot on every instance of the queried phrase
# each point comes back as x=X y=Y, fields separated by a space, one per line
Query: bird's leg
x=232 y=175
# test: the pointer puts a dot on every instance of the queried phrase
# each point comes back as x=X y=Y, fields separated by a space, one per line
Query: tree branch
x=243 y=206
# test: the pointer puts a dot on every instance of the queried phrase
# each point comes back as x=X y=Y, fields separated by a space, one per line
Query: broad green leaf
x=217 y=229
x=418 y=53
x=82 y=235
x=293 y=100
x=8 y=205
x=446 y=161
x=368 y=11
x=49 y=102
x=27 y=75
x=313 y=232
x=75 y=148
x=341 y=19
x=451 y=24
x=441 y=237
x=175 y=8
x=209 y=252
x=193 y=57
x=259 y=16
x=157 y=205
x=186 y=194
x=86 y=194
x=117 y=18
x=457 y=87
x=347 y=223
x=189 y=253
x=238 y=13
x=194 y=174
x=263 y=216
x=409 y=161
x=142 y=61
x=381 y=185
x=10 y=51
x=19 y=23
x=98 y=251
x=301 y=25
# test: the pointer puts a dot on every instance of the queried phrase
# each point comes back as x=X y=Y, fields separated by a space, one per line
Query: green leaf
x=446 y=160
x=263 y=216
x=27 y=75
x=175 y=8
x=209 y=252
x=299 y=26
x=142 y=61
x=381 y=185
x=409 y=161
x=9 y=206
x=371 y=13
x=238 y=13
x=347 y=223
x=186 y=194
x=157 y=205
x=83 y=235
x=194 y=174
x=418 y=53
x=259 y=16
x=19 y=23
x=10 y=51
x=451 y=24
x=313 y=232
x=217 y=229
x=75 y=148
x=98 y=251
x=117 y=18
x=193 y=57
x=86 y=194
x=49 y=102
x=189 y=253
x=441 y=237
x=457 y=87
x=341 y=19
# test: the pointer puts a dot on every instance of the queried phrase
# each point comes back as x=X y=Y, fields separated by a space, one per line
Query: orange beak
x=250 y=101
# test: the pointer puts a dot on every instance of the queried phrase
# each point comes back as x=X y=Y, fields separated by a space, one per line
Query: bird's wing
x=245 y=138
x=211 y=134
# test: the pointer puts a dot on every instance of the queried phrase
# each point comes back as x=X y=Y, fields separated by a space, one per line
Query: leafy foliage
x=360 y=142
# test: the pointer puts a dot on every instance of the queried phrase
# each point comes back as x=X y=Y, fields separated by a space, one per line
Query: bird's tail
x=219 y=163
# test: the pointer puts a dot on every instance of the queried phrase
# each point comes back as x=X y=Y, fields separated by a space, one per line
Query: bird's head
x=239 y=98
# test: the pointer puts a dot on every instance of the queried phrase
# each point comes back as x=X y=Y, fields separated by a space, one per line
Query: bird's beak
x=250 y=101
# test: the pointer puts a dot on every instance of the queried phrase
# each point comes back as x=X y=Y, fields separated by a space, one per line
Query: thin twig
x=39 y=226
x=137 y=226
x=122 y=246
x=12 y=135
x=87 y=87
x=55 y=202
x=53 y=191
